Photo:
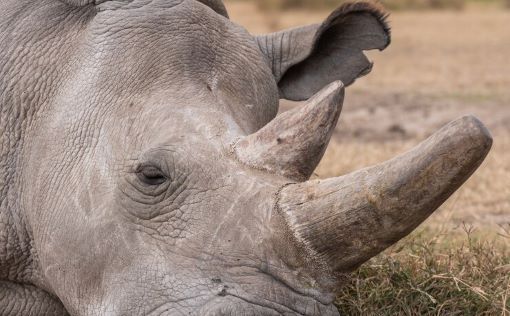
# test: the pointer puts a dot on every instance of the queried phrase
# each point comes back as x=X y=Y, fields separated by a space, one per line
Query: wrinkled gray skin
x=136 y=177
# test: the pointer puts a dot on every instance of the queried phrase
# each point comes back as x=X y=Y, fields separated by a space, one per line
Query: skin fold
x=144 y=169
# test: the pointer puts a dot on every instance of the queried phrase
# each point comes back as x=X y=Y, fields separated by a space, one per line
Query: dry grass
x=434 y=274
x=424 y=4
x=441 y=65
x=391 y=4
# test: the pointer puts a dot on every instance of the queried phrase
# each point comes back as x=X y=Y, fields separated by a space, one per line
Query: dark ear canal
x=306 y=59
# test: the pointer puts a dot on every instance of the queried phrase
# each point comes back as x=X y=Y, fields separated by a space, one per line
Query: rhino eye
x=151 y=175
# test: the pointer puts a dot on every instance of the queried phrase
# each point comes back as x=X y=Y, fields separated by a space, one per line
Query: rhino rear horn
x=293 y=144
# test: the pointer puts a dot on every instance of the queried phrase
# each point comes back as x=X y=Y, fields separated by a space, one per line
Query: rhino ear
x=306 y=59
x=216 y=5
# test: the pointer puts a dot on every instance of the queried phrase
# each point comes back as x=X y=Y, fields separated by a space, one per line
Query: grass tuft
x=432 y=273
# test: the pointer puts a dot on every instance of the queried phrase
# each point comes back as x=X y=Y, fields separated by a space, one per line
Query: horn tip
x=337 y=87
x=477 y=124
x=330 y=96
x=475 y=132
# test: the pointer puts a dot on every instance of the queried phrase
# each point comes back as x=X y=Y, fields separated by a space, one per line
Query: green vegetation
x=434 y=274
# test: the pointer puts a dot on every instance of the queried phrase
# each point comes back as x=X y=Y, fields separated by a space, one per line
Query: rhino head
x=154 y=176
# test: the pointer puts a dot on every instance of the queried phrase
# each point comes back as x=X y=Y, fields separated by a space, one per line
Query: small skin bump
x=223 y=292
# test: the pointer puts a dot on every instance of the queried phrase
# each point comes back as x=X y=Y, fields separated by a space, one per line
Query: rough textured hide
x=216 y=5
x=26 y=300
x=121 y=192
x=80 y=2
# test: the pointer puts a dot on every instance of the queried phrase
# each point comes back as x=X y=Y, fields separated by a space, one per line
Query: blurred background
x=448 y=58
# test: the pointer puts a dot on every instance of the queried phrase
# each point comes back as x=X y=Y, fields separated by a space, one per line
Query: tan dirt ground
x=440 y=66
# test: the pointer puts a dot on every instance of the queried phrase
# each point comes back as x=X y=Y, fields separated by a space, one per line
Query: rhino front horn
x=347 y=220
x=292 y=145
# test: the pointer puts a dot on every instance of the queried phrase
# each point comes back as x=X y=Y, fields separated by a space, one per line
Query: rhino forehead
x=185 y=50
x=216 y=5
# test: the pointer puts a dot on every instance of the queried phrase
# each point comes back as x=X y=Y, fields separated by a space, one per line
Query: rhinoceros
x=145 y=169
